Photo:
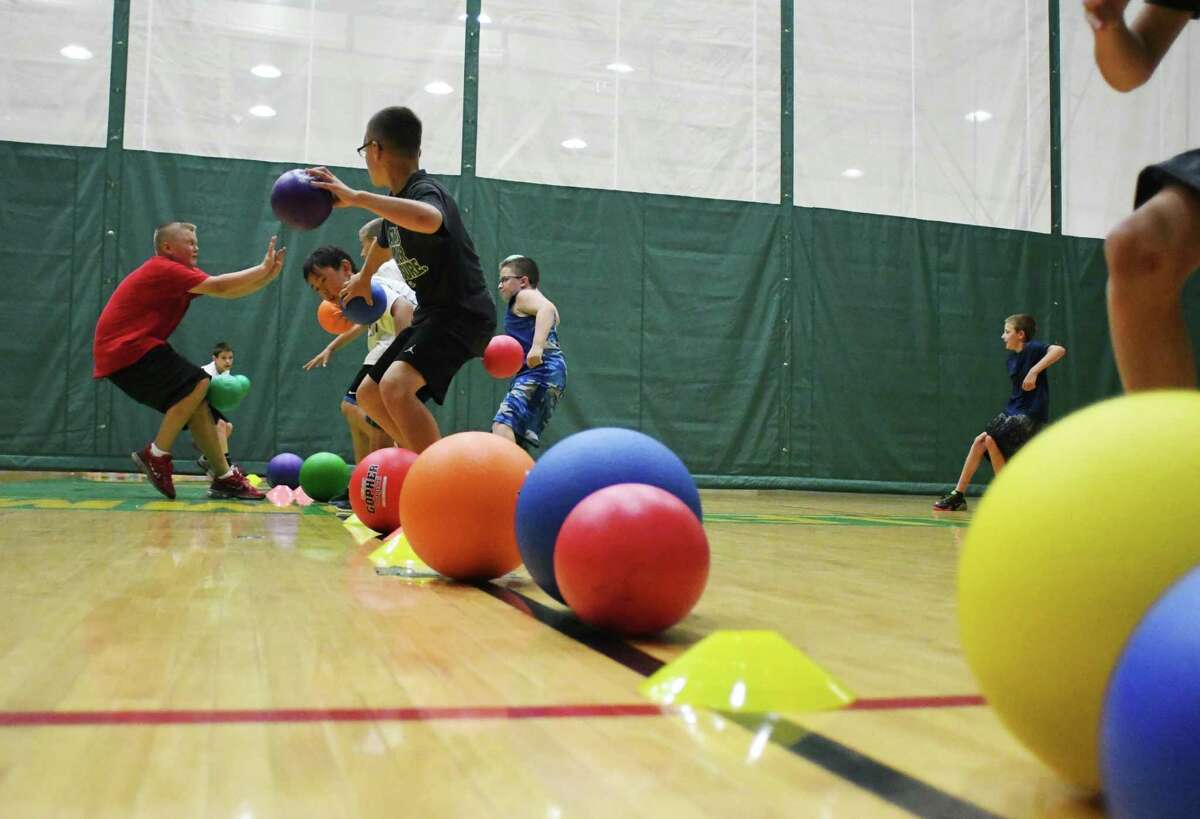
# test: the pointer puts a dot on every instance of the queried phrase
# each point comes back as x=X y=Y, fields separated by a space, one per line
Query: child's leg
x=1150 y=255
x=414 y=423
x=370 y=398
x=224 y=430
x=511 y=412
x=971 y=464
x=179 y=414
x=994 y=453
x=380 y=439
x=528 y=405
x=228 y=482
x=204 y=434
x=359 y=430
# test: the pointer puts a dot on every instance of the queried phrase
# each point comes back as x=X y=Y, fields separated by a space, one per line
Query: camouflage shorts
x=532 y=397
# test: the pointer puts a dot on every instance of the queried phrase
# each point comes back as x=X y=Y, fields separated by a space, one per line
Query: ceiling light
x=979 y=116
x=620 y=68
x=75 y=52
x=266 y=71
x=262 y=111
x=574 y=144
x=852 y=173
x=439 y=87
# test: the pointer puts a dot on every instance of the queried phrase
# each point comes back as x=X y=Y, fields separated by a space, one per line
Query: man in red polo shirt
x=131 y=350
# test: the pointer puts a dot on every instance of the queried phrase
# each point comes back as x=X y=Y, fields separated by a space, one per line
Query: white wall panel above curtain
x=661 y=96
x=54 y=71
x=1108 y=136
x=925 y=109
x=294 y=80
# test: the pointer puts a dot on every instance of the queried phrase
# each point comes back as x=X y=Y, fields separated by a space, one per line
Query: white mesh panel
x=192 y=90
x=47 y=96
x=697 y=115
x=1108 y=136
x=925 y=109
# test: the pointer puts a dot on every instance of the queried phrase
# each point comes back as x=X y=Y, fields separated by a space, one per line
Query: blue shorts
x=532 y=397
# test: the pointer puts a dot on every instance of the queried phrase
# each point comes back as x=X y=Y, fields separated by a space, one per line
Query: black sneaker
x=954 y=502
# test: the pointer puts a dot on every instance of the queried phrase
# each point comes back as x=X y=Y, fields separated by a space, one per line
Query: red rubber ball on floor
x=631 y=558
x=503 y=357
x=375 y=487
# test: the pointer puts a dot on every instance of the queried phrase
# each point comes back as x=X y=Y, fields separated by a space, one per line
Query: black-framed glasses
x=504 y=279
x=362 y=149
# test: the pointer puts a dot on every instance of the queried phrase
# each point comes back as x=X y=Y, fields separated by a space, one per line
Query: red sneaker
x=158 y=469
x=234 y=487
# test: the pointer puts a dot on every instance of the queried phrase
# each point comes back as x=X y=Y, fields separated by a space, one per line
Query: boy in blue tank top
x=531 y=319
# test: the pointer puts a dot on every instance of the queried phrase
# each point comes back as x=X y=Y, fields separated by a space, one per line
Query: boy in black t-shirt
x=1027 y=410
x=1152 y=252
x=424 y=233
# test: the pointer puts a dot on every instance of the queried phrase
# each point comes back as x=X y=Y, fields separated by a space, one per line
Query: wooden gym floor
x=192 y=659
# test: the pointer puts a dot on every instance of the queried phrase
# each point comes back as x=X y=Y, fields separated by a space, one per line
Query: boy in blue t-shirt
x=531 y=319
x=1027 y=410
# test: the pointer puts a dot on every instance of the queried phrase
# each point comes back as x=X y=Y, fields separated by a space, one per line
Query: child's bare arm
x=342 y=339
x=418 y=217
x=360 y=283
x=244 y=282
x=1054 y=353
x=1127 y=55
x=532 y=303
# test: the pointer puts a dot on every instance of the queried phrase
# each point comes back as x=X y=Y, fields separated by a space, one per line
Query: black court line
x=887 y=783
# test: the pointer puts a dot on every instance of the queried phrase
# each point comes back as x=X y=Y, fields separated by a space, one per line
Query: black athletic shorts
x=352 y=390
x=1011 y=432
x=159 y=379
x=1181 y=170
x=437 y=348
x=351 y=396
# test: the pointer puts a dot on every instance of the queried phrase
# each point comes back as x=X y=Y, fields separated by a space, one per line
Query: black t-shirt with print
x=443 y=267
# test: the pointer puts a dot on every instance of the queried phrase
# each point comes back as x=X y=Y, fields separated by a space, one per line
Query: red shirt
x=144 y=310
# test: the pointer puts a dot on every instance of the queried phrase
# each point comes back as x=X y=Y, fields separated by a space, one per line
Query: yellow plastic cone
x=746 y=672
x=362 y=533
x=396 y=556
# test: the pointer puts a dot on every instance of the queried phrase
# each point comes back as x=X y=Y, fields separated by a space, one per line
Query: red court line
x=908 y=703
x=11 y=719
x=208 y=717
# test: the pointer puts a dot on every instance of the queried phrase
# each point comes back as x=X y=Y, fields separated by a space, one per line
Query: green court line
x=834 y=520
x=79 y=494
